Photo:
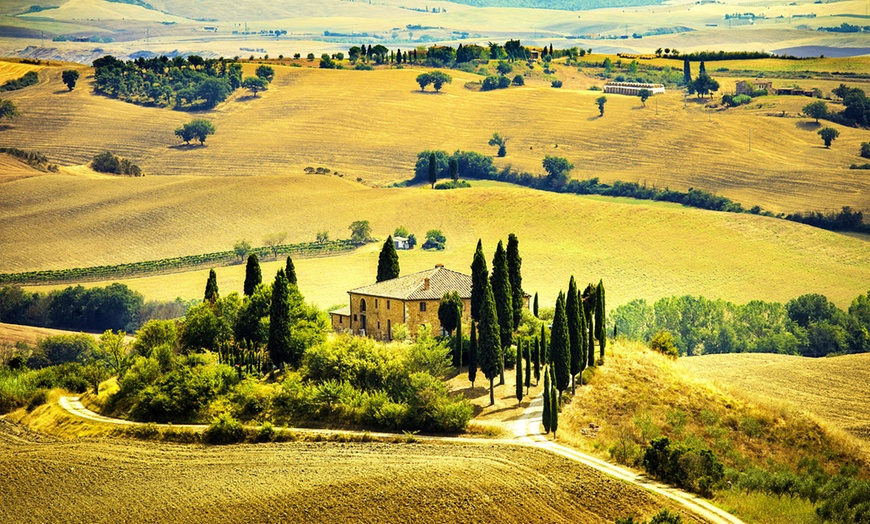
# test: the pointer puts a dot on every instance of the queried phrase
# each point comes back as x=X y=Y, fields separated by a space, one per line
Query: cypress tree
x=702 y=69
x=574 y=339
x=501 y=289
x=515 y=264
x=454 y=169
x=589 y=309
x=457 y=350
x=584 y=346
x=545 y=353
x=600 y=329
x=535 y=307
x=687 y=72
x=519 y=367
x=472 y=356
x=528 y=352
x=555 y=399
x=559 y=346
x=388 y=261
x=290 y=272
x=211 y=287
x=479 y=281
x=537 y=358
x=551 y=50
x=489 y=344
x=433 y=170
x=253 y=275
x=547 y=404
x=279 y=320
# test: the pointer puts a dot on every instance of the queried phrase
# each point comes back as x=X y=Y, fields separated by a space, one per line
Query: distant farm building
x=412 y=300
x=794 y=91
x=401 y=243
x=632 y=88
x=744 y=87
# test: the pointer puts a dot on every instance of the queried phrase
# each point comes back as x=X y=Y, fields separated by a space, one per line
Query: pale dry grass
x=10 y=70
x=30 y=335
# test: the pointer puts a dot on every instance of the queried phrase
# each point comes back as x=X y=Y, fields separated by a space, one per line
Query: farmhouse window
x=376 y=303
x=379 y=324
x=422 y=306
x=354 y=318
x=388 y=304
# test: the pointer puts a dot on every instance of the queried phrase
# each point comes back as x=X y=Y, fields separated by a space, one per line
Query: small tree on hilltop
x=198 y=128
x=388 y=261
x=70 y=77
x=498 y=140
x=828 y=134
x=424 y=79
x=440 y=78
x=254 y=84
x=600 y=101
x=266 y=73
x=241 y=248
x=360 y=231
x=816 y=110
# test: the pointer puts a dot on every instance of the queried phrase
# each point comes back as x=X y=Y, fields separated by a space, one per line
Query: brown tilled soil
x=46 y=480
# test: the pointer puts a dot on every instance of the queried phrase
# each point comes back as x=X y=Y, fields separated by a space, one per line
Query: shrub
x=865 y=149
x=556 y=83
x=690 y=468
x=519 y=80
x=59 y=349
x=489 y=83
x=663 y=342
x=39 y=397
x=109 y=163
x=224 y=430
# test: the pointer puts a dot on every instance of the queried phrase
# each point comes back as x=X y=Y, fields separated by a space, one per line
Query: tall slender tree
x=537 y=358
x=211 y=287
x=584 y=346
x=457 y=349
x=489 y=343
x=527 y=351
x=519 y=369
x=388 y=261
x=687 y=72
x=453 y=164
x=253 y=275
x=545 y=353
x=589 y=309
x=556 y=401
x=560 y=346
x=535 y=307
x=472 y=356
x=515 y=265
x=600 y=329
x=433 y=170
x=501 y=289
x=702 y=69
x=545 y=416
x=574 y=339
x=279 y=320
x=290 y=272
x=479 y=281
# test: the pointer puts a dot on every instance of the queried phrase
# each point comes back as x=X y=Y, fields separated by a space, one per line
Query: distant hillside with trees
x=568 y=5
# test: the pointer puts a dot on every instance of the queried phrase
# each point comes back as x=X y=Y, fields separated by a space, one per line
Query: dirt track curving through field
x=526 y=432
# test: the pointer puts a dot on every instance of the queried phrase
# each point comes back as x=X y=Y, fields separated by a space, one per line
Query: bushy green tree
x=557 y=169
x=265 y=72
x=817 y=110
x=360 y=231
x=253 y=274
x=70 y=77
x=198 y=129
x=8 y=110
x=644 y=95
x=600 y=101
x=828 y=134
x=450 y=311
x=255 y=84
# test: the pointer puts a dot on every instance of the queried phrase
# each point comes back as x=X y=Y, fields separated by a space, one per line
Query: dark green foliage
x=70 y=77
x=555 y=403
x=575 y=340
x=518 y=81
x=501 y=289
x=94 y=309
x=600 y=330
x=472 y=355
x=479 y=281
x=388 y=261
x=224 y=430
x=548 y=406
x=30 y=78
x=458 y=343
x=545 y=353
x=703 y=85
x=8 y=109
x=687 y=72
x=558 y=170
x=279 y=321
x=436 y=78
x=453 y=165
x=110 y=163
x=198 y=128
x=59 y=349
x=589 y=309
x=846 y=219
x=560 y=346
x=828 y=134
x=535 y=306
x=211 y=287
x=515 y=264
x=265 y=72
x=290 y=272
x=817 y=110
x=519 y=370
x=527 y=344
x=435 y=239
x=253 y=275
x=865 y=149
x=255 y=84
x=664 y=516
x=194 y=83
x=433 y=170
x=537 y=357
x=489 y=342
x=693 y=469
x=600 y=101
x=450 y=311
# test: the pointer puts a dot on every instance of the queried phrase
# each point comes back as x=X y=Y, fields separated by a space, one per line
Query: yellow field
x=12 y=333
x=832 y=388
x=11 y=70
x=372 y=124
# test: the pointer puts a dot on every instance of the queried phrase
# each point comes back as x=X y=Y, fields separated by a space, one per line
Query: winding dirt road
x=527 y=432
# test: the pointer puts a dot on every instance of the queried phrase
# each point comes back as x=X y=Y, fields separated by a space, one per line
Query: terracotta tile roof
x=413 y=286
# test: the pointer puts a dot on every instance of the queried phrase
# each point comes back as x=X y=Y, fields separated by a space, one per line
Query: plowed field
x=131 y=481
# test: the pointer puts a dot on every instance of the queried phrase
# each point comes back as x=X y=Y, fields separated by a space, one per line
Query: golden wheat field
x=372 y=124
x=832 y=388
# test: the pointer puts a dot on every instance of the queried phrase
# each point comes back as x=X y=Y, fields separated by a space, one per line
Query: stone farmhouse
x=411 y=299
x=745 y=88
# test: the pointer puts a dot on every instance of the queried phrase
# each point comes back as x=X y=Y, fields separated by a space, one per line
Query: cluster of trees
x=109 y=162
x=703 y=84
x=28 y=79
x=691 y=468
x=808 y=325
x=436 y=78
x=856 y=107
x=191 y=83
x=446 y=56
x=75 y=308
x=32 y=158
x=198 y=128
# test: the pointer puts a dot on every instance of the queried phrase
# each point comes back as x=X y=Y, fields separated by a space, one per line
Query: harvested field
x=54 y=481
x=12 y=333
x=834 y=389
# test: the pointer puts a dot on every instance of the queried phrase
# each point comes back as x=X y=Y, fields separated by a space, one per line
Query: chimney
x=426 y=284
x=439 y=265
